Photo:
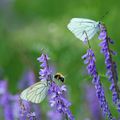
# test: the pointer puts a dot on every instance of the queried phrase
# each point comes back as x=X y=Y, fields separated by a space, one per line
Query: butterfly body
x=80 y=27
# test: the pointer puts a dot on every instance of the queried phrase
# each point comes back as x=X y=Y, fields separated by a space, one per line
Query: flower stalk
x=56 y=92
x=111 y=66
x=89 y=59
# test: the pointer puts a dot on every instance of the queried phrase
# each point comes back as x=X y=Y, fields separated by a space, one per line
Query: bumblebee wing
x=80 y=25
x=35 y=93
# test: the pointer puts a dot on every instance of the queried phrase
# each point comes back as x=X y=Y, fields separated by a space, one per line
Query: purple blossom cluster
x=58 y=101
x=111 y=66
x=15 y=108
x=89 y=59
x=4 y=101
x=92 y=103
x=25 y=111
x=45 y=71
x=54 y=115
x=27 y=79
x=57 y=97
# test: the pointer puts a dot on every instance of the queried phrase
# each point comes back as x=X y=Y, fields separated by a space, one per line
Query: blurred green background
x=26 y=26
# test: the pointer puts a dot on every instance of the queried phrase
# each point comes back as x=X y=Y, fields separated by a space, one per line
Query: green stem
x=89 y=46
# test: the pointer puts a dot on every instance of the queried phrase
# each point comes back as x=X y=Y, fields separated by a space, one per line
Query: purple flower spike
x=93 y=103
x=3 y=86
x=25 y=111
x=4 y=101
x=58 y=100
x=110 y=64
x=28 y=79
x=54 y=115
x=45 y=72
x=91 y=68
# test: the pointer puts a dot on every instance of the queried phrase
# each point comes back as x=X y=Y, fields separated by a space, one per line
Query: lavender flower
x=21 y=109
x=15 y=106
x=56 y=92
x=28 y=79
x=8 y=114
x=54 y=115
x=37 y=111
x=11 y=108
x=25 y=111
x=45 y=72
x=93 y=103
x=4 y=101
x=58 y=100
x=110 y=64
x=89 y=59
x=3 y=87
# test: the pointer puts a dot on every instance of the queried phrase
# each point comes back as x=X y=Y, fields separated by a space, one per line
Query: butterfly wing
x=35 y=93
x=79 y=26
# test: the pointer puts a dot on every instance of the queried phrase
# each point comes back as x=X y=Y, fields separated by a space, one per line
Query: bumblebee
x=59 y=76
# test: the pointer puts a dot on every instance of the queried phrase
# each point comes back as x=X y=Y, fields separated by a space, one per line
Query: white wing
x=35 y=93
x=79 y=26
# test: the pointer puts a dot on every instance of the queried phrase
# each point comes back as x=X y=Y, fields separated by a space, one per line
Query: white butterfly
x=83 y=27
x=35 y=93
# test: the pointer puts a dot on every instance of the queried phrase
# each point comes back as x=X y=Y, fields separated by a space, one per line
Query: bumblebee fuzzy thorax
x=59 y=76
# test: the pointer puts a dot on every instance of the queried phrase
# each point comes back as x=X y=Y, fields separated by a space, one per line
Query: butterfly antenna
x=104 y=15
